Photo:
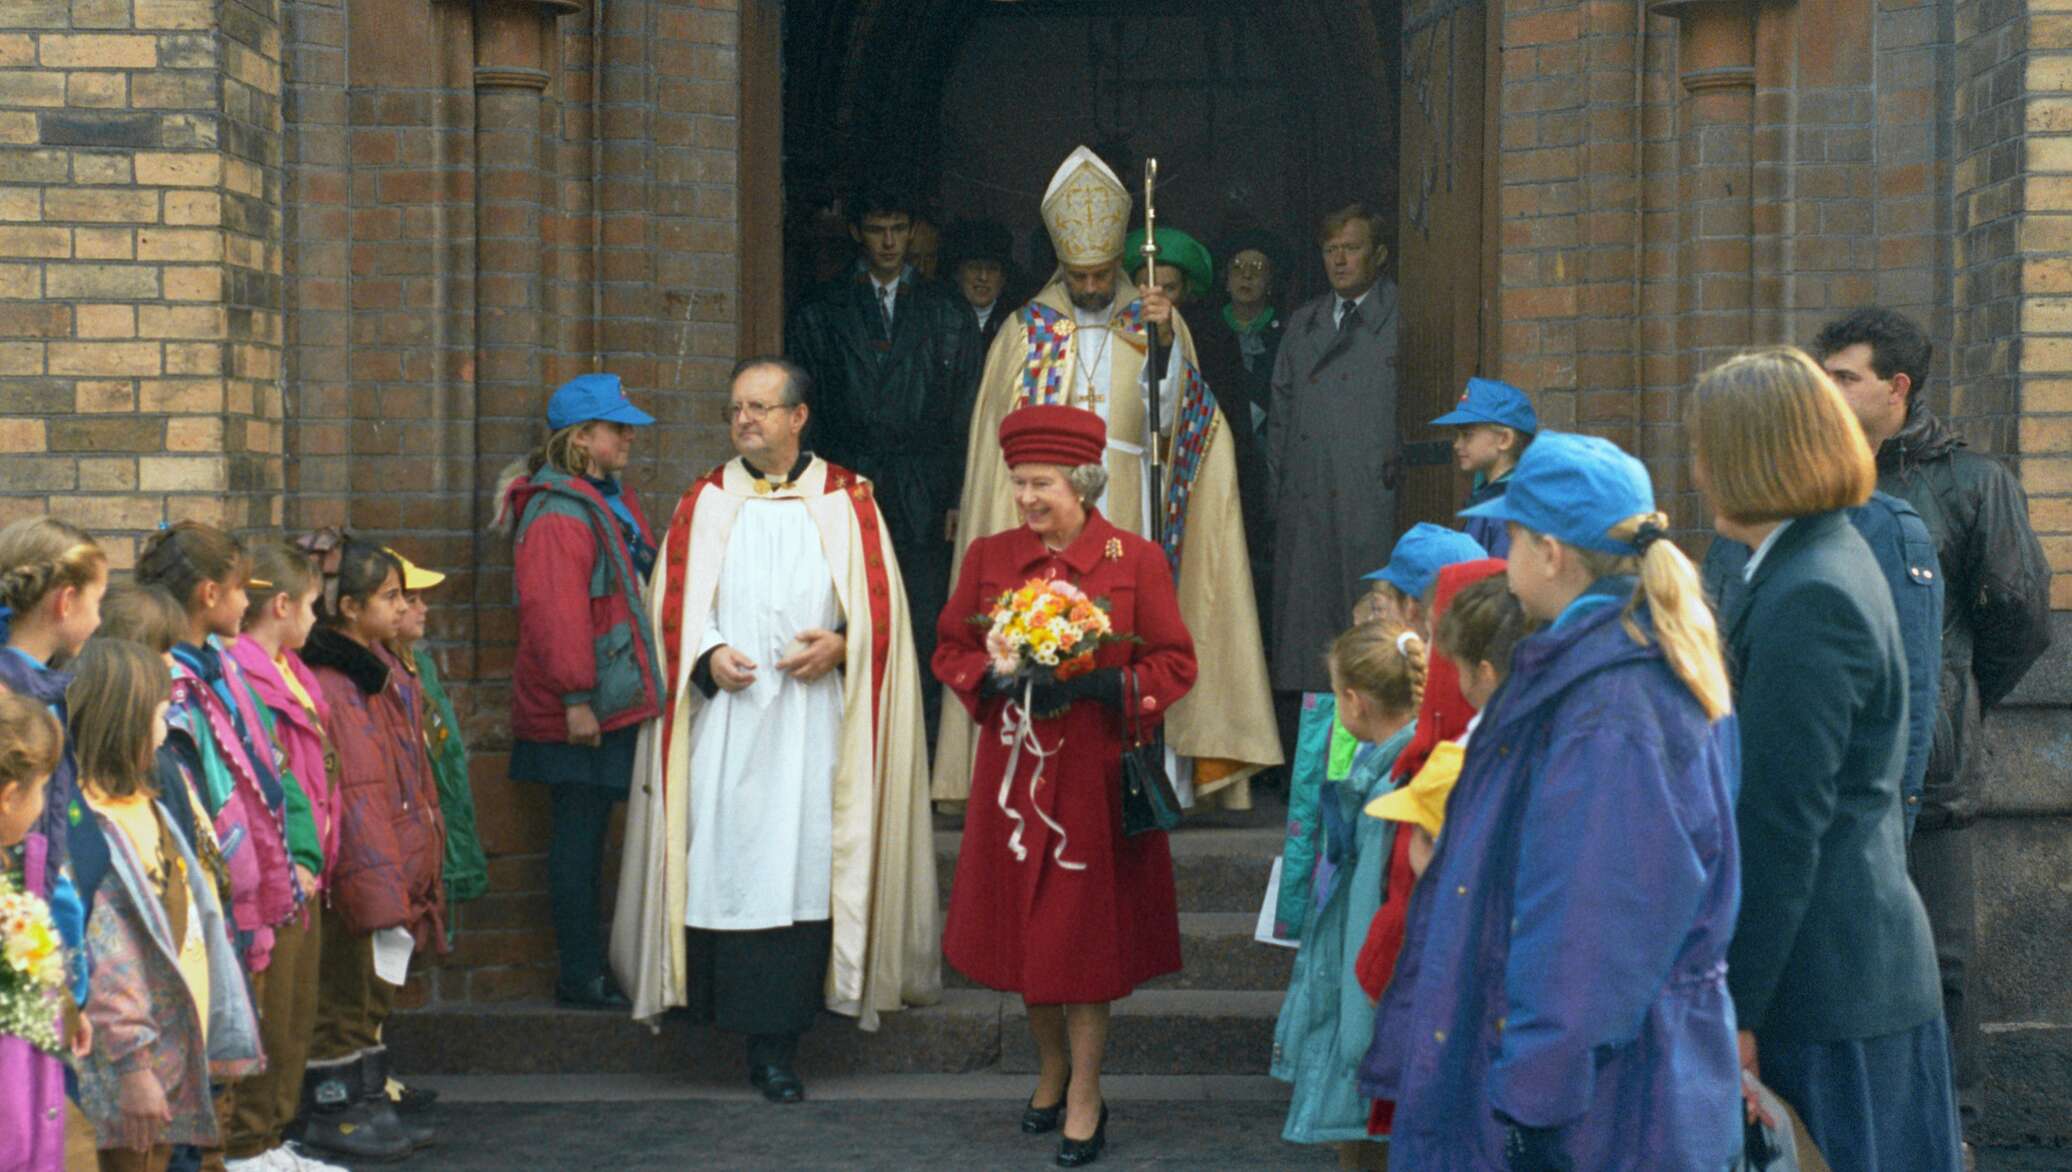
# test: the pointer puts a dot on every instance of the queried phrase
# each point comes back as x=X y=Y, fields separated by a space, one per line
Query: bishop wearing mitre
x=779 y=857
x=1082 y=341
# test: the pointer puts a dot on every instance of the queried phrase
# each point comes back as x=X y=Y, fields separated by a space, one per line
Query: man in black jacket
x=894 y=361
x=1996 y=620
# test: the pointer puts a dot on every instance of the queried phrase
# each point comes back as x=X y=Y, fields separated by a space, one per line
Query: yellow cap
x=1423 y=801
x=416 y=577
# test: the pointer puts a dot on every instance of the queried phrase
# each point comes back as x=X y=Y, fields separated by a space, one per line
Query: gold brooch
x=1114 y=549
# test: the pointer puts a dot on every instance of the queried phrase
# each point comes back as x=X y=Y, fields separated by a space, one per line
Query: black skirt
x=607 y=766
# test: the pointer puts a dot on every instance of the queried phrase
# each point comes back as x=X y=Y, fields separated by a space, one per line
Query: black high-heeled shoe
x=1077 y=1153
x=1041 y=1120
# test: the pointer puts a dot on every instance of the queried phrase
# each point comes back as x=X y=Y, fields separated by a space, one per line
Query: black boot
x=374 y=1093
x=334 y=1122
x=770 y=1058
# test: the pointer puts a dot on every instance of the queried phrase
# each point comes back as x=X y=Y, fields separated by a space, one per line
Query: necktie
x=885 y=308
x=1348 y=312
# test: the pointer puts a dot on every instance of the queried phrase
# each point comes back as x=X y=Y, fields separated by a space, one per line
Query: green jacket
x=305 y=847
x=467 y=872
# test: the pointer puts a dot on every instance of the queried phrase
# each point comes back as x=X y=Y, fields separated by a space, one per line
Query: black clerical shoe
x=779 y=1084
x=1042 y=1120
x=1077 y=1153
x=596 y=993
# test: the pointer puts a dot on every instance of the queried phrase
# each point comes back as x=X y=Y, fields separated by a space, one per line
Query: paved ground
x=881 y=1122
x=638 y=1123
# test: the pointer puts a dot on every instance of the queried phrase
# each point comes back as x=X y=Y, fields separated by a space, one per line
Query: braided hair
x=39 y=555
x=1382 y=661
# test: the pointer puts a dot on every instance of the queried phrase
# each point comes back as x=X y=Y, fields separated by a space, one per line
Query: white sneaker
x=294 y=1160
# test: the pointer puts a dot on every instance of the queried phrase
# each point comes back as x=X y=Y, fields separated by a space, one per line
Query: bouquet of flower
x=1047 y=629
x=32 y=968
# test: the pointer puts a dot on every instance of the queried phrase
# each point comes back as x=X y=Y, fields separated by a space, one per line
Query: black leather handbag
x=1148 y=799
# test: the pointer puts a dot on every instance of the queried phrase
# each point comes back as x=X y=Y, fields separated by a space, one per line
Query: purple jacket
x=1565 y=962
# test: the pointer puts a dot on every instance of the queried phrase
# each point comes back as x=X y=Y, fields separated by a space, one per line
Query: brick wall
x=466 y=228
x=2044 y=240
x=139 y=259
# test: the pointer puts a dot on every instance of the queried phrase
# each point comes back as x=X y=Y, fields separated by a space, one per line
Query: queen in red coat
x=1073 y=914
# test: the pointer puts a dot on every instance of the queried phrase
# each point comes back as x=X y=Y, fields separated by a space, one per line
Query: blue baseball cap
x=1421 y=553
x=593 y=396
x=1573 y=488
x=1489 y=401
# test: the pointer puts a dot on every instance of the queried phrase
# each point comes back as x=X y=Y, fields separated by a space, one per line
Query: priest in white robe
x=778 y=850
x=1083 y=341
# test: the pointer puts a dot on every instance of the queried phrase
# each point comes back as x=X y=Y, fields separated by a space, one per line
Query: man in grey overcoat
x=1331 y=450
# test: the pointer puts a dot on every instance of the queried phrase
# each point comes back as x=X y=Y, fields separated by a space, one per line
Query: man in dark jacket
x=894 y=362
x=1996 y=620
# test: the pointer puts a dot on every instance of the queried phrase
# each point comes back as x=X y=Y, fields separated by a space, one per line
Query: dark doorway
x=1262 y=114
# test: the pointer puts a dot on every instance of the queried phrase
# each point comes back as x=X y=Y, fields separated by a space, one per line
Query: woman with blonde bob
x=1588 y=857
x=1832 y=967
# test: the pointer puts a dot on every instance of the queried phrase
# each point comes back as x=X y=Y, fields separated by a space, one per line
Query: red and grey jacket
x=583 y=630
x=390 y=835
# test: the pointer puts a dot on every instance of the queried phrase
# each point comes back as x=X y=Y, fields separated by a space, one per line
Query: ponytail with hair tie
x=1683 y=621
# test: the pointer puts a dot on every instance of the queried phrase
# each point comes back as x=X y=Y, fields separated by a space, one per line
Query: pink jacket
x=302 y=740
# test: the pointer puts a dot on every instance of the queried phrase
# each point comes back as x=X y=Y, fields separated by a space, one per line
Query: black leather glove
x=1533 y=1149
x=999 y=686
x=1102 y=684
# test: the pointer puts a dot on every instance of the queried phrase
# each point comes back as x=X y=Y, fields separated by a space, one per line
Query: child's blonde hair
x=116 y=688
x=42 y=554
x=1382 y=661
x=1482 y=623
x=563 y=451
x=282 y=569
x=1676 y=603
x=31 y=743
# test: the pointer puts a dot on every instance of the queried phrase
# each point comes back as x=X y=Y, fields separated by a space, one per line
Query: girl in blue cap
x=1561 y=998
x=586 y=675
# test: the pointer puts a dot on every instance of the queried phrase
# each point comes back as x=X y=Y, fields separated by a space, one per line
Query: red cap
x=1066 y=436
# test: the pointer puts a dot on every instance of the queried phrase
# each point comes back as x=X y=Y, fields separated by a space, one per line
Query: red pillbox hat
x=1066 y=436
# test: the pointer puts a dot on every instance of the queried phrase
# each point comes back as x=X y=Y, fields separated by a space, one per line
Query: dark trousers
x=575 y=857
x=765 y=984
x=1940 y=864
x=924 y=568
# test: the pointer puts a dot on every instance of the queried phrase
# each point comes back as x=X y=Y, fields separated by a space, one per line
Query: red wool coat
x=1028 y=925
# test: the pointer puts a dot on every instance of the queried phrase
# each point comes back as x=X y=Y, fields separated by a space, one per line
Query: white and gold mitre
x=1086 y=209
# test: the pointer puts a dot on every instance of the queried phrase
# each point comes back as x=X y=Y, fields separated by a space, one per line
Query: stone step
x=1214 y=870
x=1216 y=952
x=1168 y=1031
x=1156 y=1031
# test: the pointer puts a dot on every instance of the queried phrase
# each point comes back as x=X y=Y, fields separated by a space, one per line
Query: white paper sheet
x=392 y=954
x=1262 y=931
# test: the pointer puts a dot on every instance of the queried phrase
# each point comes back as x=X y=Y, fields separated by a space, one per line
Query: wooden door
x=1445 y=272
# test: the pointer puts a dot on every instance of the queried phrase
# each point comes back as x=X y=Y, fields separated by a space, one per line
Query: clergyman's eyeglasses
x=756 y=412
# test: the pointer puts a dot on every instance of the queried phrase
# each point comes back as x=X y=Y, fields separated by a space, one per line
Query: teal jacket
x=1323 y=752
x=1326 y=1022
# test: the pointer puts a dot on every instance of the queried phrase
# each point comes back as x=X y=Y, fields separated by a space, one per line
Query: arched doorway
x=1260 y=114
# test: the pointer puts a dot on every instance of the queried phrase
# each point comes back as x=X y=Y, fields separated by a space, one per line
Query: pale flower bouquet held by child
x=32 y=968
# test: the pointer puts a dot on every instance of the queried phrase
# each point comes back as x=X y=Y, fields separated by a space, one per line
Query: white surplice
x=1094 y=344
x=762 y=815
